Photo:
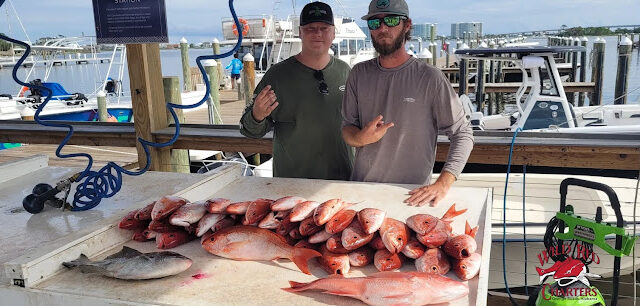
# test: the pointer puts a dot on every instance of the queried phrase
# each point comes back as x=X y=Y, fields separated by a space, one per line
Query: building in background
x=458 y=29
x=423 y=30
x=366 y=32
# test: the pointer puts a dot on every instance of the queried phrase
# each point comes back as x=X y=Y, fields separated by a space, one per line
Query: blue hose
x=504 y=219
x=107 y=181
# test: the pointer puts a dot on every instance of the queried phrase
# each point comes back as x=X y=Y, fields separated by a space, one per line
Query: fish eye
x=400 y=238
x=354 y=237
x=211 y=239
x=464 y=267
x=434 y=268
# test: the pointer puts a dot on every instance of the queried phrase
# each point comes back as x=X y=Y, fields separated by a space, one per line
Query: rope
x=504 y=220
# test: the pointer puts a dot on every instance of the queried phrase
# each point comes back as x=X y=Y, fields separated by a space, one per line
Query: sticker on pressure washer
x=584 y=232
x=130 y=21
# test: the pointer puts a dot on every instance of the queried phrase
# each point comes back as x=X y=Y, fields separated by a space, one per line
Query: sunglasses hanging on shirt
x=322 y=85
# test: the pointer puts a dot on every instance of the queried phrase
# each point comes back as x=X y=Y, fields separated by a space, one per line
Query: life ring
x=22 y=91
x=245 y=27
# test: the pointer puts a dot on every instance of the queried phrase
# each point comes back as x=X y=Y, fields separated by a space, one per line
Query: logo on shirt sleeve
x=342 y=88
x=409 y=100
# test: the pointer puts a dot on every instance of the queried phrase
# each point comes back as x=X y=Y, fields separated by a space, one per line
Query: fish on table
x=389 y=288
x=132 y=264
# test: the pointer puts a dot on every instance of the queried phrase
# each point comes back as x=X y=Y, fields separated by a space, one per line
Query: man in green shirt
x=300 y=98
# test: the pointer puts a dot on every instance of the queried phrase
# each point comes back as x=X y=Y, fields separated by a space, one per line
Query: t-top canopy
x=520 y=51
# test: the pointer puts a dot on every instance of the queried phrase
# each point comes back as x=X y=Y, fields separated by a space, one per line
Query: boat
x=271 y=40
x=545 y=107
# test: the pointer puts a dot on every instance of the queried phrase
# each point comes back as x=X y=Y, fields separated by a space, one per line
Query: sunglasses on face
x=390 y=21
x=322 y=85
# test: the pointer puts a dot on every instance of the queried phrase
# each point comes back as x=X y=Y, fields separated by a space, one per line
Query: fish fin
x=301 y=256
x=473 y=232
x=296 y=286
x=397 y=296
x=83 y=259
x=452 y=212
x=342 y=292
x=126 y=252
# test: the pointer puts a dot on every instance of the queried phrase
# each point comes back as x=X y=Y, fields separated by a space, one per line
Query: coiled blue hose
x=504 y=219
x=107 y=181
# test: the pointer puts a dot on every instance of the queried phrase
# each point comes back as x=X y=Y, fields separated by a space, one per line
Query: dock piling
x=583 y=68
x=249 y=77
x=216 y=51
x=622 y=76
x=179 y=158
x=103 y=114
x=186 y=73
x=597 y=71
x=574 y=70
x=213 y=103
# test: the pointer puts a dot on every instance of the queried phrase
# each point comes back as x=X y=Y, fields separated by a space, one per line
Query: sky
x=200 y=20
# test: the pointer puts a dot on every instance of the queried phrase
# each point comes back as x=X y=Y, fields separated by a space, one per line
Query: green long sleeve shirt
x=307 y=141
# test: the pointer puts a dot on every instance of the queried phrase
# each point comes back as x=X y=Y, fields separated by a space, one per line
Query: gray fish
x=133 y=264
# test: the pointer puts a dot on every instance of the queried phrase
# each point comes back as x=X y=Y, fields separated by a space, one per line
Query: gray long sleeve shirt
x=419 y=100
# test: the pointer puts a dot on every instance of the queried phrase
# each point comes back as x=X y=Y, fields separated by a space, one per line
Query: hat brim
x=367 y=16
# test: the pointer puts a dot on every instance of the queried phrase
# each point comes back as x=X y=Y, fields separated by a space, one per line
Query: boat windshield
x=547 y=85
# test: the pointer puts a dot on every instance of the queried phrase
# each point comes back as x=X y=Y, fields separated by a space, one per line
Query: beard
x=388 y=49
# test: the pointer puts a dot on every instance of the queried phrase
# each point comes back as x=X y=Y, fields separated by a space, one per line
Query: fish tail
x=470 y=231
x=452 y=212
x=301 y=256
x=296 y=286
x=78 y=262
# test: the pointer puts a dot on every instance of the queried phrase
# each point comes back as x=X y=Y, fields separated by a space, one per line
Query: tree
x=4 y=46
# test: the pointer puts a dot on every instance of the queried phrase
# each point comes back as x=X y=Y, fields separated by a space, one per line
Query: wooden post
x=249 y=71
x=446 y=53
x=216 y=51
x=583 y=68
x=571 y=97
x=434 y=45
x=27 y=114
x=186 y=72
x=480 y=85
x=147 y=98
x=597 y=72
x=179 y=158
x=462 y=89
x=213 y=103
x=103 y=114
x=493 y=109
x=622 y=77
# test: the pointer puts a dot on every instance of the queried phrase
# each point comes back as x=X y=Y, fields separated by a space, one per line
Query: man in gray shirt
x=415 y=99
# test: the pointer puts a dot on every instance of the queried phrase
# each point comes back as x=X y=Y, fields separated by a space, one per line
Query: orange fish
x=467 y=268
x=354 y=236
x=320 y=237
x=149 y=234
x=269 y=221
x=218 y=205
x=387 y=261
x=188 y=214
x=295 y=234
x=394 y=234
x=376 y=243
x=390 y=288
x=371 y=219
x=166 y=206
x=129 y=222
x=328 y=209
x=172 y=239
x=361 y=257
x=433 y=261
x=254 y=243
x=286 y=203
x=286 y=226
x=340 y=221
x=333 y=263
x=256 y=211
x=303 y=211
x=163 y=227
x=238 y=208
x=306 y=244
x=425 y=223
x=139 y=236
x=145 y=213
x=334 y=244
x=462 y=246
x=413 y=249
x=436 y=237
x=207 y=222
x=308 y=227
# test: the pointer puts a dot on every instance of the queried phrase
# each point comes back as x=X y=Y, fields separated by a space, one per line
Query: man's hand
x=432 y=193
x=264 y=104
x=374 y=131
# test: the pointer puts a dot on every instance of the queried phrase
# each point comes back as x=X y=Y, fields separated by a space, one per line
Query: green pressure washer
x=582 y=233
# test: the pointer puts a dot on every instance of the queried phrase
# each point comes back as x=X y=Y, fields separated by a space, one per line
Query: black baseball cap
x=316 y=12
